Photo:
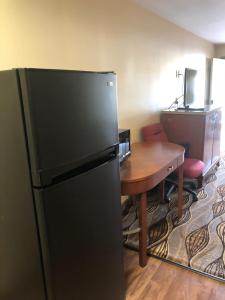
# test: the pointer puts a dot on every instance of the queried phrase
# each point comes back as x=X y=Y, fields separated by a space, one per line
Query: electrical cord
x=177 y=98
x=176 y=101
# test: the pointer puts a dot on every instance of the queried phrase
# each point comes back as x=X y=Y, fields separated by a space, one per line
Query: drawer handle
x=170 y=169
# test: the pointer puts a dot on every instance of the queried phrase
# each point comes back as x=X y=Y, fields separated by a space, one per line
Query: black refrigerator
x=60 y=212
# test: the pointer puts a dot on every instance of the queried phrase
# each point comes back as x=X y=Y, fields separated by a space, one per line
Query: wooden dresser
x=200 y=129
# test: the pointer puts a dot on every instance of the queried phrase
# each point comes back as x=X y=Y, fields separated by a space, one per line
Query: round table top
x=148 y=158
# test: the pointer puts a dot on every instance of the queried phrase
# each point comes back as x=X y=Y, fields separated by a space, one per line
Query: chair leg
x=170 y=191
x=194 y=194
x=199 y=181
x=174 y=185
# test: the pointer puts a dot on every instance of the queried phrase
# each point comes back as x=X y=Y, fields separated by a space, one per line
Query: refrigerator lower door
x=80 y=229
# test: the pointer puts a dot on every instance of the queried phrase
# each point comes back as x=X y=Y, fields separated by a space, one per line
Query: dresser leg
x=180 y=200
x=143 y=231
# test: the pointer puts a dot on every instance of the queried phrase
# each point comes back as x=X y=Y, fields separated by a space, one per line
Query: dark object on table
x=124 y=144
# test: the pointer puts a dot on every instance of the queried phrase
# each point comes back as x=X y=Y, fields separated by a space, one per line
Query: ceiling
x=205 y=18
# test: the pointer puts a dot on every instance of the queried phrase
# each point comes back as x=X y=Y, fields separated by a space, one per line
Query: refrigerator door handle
x=52 y=176
x=91 y=165
x=83 y=169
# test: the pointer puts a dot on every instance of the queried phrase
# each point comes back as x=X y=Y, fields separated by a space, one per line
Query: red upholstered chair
x=193 y=168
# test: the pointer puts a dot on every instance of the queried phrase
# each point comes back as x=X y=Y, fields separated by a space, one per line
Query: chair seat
x=193 y=168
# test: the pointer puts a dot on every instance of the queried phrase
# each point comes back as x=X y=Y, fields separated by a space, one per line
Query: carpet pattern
x=197 y=240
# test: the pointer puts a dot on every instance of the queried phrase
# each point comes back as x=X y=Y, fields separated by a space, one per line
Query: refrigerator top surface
x=64 y=70
x=69 y=117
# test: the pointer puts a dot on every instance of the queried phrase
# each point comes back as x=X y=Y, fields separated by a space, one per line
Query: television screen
x=189 y=86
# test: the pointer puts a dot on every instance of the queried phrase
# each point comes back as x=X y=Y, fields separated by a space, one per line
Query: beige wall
x=142 y=48
x=220 y=50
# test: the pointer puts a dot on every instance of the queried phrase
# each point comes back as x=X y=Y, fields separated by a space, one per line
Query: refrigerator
x=60 y=211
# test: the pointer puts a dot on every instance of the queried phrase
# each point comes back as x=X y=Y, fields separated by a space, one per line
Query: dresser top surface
x=190 y=112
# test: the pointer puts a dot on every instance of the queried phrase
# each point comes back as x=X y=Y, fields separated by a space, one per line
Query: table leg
x=180 y=191
x=143 y=231
x=133 y=199
x=162 y=190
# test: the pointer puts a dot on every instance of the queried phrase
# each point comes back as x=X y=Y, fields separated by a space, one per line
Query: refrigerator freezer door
x=80 y=227
x=69 y=116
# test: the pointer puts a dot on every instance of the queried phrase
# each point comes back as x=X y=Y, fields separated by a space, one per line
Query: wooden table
x=149 y=164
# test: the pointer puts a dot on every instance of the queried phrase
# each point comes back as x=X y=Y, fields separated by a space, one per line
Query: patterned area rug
x=197 y=241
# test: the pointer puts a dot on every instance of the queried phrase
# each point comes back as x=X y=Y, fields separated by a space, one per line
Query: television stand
x=190 y=109
x=200 y=129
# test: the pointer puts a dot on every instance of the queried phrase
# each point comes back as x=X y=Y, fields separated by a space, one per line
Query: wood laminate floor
x=163 y=281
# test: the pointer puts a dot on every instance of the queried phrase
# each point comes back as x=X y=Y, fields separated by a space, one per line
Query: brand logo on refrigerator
x=109 y=83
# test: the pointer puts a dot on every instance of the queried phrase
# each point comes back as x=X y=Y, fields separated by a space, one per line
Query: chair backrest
x=154 y=133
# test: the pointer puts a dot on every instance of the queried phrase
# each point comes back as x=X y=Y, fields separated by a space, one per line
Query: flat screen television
x=190 y=87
